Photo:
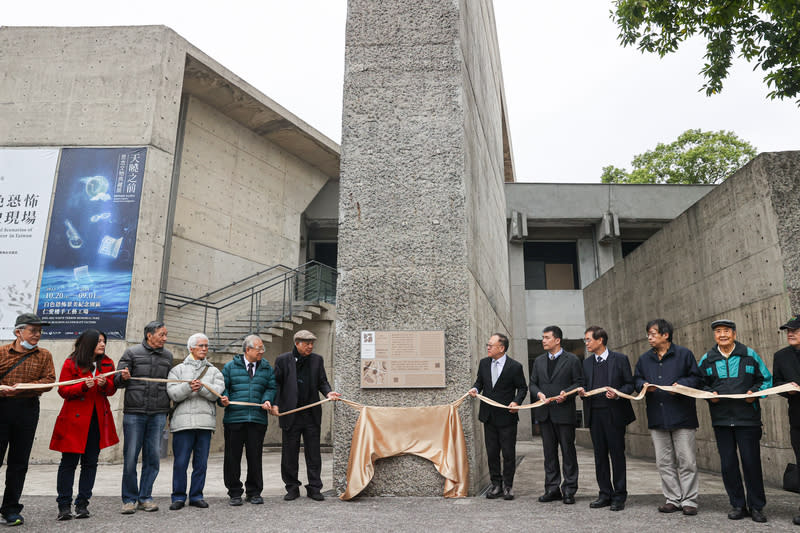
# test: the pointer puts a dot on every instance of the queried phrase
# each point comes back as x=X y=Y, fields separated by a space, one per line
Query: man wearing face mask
x=22 y=361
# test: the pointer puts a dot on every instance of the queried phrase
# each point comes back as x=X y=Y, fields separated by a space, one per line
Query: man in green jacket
x=248 y=378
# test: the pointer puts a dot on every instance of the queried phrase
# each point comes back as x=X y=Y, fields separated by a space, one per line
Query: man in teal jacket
x=248 y=378
x=730 y=367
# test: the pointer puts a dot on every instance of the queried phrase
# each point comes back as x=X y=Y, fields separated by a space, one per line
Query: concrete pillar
x=519 y=313
x=422 y=229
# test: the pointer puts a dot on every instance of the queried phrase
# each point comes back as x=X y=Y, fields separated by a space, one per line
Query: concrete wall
x=422 y=225
x=562 y=308
x=733 y=254
x=240 y=199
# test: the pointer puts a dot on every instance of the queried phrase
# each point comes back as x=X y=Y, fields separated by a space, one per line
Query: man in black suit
x=501 y=379
x=300 y=376
x=555 y=373
x=607 y=415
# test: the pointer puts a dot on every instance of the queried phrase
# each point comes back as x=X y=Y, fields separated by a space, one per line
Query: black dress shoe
x=176 y=505
x=317 y=496
x=600 y=502
x=289 y=496
x=64 y=514
x=199 y=503
x=255 y=500
x=617 y=506
x=235 y=501
x=508 y=494
x=569 y=499
x=758 y=516
x=737 y=513
x=668 y=508
x=494 y=492
x=550 y=496
x=81 y=511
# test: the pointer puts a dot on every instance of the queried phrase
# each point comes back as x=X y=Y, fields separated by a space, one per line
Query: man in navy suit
x=501 y=379
x=555 y=373
x=607 y=415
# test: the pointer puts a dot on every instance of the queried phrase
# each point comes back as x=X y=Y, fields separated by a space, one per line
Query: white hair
x=249 y=342
x=192 y=342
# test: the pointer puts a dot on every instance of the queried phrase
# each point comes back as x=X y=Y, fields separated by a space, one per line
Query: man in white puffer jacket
x=193 y=420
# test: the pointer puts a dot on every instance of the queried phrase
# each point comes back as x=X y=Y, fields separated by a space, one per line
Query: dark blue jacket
x=742 y=371
x=664 y=410
x=240 y=387
x=619 y=377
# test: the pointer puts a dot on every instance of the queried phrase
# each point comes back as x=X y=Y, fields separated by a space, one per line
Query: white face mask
x=27 y=345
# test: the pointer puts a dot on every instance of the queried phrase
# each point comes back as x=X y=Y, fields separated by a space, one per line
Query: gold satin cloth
x=434 y=433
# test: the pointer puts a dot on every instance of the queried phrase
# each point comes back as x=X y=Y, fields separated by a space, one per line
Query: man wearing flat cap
x=730 y=367
x=786 y=369
x=300 y=375
x=22 y=361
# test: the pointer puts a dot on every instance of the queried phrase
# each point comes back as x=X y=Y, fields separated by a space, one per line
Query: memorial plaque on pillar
x=402 y=359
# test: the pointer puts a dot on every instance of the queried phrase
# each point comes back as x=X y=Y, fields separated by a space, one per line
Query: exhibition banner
x=26 y=184
x=86 y=281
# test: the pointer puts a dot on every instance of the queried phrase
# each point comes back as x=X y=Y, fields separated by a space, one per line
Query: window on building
x=551 y=266
x=629 y=246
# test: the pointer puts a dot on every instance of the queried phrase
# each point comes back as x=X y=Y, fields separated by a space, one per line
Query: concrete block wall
x=421 y=212
x=732 y=254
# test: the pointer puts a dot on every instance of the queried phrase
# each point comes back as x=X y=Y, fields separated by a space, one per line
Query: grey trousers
x=676 y=458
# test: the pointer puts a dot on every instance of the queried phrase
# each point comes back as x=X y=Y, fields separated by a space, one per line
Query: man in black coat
x=555 y=373
x=501 y=379
x=300 y=376
x=786 y=369
x=607 y=415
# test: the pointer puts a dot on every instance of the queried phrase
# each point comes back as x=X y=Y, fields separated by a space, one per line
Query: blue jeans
x=195 y=443
x=142 y=434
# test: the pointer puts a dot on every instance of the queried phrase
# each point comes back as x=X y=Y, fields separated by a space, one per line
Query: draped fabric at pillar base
x=434 y=433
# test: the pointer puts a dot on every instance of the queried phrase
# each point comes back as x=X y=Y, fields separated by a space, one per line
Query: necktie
x=495 y=372
x=251 y=369
x=599 y=359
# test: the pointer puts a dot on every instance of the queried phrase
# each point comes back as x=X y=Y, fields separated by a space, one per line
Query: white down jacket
x=194 y=410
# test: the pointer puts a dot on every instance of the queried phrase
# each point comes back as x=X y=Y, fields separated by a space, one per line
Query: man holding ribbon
x=144 y=415
x=248 y=378
x=22 y=361
x=730 y=367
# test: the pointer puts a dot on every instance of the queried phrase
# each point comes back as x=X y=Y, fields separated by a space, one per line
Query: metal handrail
x=310 y=282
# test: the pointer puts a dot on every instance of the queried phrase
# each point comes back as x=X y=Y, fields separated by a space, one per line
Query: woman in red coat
x=85 y=424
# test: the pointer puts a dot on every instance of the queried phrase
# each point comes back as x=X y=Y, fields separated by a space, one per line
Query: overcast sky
x=576 y=99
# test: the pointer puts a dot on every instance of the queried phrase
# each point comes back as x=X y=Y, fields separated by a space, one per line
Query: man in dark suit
x=501 y=379
x=300 y=375
x=555 y=373
x=607 y=415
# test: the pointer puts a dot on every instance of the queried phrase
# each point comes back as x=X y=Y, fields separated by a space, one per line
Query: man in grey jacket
x=145 y=415
x=193 y=420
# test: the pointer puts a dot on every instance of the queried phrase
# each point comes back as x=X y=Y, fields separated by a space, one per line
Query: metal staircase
x=268 y=303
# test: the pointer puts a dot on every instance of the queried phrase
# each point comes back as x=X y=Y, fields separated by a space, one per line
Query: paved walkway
x=398 y=513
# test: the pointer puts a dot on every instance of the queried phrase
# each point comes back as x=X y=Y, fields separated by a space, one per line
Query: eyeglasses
x=201 y=345
x=587 y=341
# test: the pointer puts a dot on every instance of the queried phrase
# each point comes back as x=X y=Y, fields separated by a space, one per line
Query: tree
x=766 y=32
x=696 y=157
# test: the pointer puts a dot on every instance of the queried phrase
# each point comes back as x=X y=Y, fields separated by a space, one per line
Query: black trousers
x=608 y=441
x=68 y=465
x=18 y=420
x=794 y=433
x=747 y=440
x=562 y=436
x=304 y=427
x=250 y=436
x=501 y=439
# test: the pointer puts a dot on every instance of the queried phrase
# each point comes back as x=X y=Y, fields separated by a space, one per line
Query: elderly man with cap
x=786 y=369
x=730 y=367
x=22 y=361
x=300 y=375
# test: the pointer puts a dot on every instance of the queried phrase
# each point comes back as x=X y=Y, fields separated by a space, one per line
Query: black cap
x=29 y=319
x=793 y=323
x=724 y=322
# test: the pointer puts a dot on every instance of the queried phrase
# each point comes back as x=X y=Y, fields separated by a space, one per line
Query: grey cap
x=724 y=322
x=29 y=319
x=304 y=335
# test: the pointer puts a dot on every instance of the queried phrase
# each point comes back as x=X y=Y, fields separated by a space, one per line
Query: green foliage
x=765 y=32
x=696 y=157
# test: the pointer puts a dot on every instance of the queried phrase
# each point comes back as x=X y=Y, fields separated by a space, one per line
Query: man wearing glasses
x=22 y=361
x=248 y=378
x=300 y=375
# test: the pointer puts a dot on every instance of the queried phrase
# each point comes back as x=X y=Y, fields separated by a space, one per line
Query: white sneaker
x=128 y=508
